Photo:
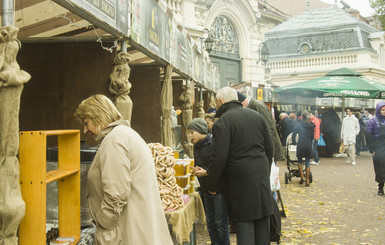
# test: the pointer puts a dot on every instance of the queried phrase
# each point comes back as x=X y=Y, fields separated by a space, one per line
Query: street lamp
x=263 y=55
x=209 y=41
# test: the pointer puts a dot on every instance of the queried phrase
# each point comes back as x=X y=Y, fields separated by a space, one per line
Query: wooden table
x=182 y=221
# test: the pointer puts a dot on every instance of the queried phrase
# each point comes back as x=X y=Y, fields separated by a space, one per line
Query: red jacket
x=317 y=123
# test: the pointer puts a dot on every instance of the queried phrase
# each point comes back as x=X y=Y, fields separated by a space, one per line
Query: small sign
x=260 y=94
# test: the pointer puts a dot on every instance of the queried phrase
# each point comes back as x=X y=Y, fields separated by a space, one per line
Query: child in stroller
x=292 y=161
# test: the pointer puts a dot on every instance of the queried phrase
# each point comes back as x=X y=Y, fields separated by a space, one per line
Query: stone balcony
x=313 y=62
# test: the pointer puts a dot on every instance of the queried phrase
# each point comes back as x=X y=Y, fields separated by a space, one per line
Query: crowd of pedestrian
x=234 y=147
x=245 y=139
x=328 y=129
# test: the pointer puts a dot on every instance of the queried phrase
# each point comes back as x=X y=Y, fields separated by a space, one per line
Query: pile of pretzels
x=170 y=192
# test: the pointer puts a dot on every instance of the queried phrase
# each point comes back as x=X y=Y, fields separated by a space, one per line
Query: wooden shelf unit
x=34 y=179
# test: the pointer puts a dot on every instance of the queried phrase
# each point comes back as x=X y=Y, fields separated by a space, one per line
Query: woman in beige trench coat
x=123 y=194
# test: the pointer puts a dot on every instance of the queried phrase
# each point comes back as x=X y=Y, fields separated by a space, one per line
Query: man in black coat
x=240 y=165
x=265 y=112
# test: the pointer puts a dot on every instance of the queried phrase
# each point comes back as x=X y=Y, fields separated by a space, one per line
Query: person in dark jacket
x=260 y=107
x=288 y=125
x=282 y=116
x=375 y=129
x=215 y=206
x=361 y=136
x=305 y=131
x=240 y=165
x=331 y=129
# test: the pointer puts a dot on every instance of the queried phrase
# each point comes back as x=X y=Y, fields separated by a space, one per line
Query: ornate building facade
x=238 y=27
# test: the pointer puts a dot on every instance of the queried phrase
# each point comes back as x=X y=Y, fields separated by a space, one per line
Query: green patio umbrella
x=342 y=82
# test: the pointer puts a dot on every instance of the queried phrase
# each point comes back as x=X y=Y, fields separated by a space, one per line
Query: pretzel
x=169 y=191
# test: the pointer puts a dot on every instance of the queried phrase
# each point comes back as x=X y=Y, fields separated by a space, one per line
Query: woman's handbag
x=321 y=141
x=274 y=178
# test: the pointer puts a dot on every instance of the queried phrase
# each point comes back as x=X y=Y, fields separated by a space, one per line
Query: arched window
x=224 y=31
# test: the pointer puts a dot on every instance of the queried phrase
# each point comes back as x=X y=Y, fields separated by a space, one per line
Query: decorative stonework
x=223 y=31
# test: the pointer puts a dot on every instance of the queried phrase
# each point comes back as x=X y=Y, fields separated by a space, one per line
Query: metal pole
x=7 y=18
x=124 y=45
x=108 y=39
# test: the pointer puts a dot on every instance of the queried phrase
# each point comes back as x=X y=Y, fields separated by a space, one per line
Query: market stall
x=67 y=60
x=182 y=205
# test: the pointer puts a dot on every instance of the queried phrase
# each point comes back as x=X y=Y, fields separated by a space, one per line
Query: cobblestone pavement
x=341 y=206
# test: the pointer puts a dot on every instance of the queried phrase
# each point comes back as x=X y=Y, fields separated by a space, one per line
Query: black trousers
x=255 y=232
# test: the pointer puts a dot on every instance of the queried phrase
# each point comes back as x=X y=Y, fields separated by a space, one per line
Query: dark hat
x=199 y=125
x=212 y=110
x=241 y=97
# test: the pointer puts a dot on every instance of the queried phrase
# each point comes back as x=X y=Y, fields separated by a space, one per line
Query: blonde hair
x=99 y=109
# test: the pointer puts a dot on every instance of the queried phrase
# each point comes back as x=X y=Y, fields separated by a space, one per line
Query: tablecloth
x=181 y=221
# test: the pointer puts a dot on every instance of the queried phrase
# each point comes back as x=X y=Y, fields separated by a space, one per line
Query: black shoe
x=381 y=192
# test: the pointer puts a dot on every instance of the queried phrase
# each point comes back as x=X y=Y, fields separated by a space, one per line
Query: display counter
x=182 y=221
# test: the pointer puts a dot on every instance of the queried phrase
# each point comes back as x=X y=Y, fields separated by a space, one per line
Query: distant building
x=320 y=40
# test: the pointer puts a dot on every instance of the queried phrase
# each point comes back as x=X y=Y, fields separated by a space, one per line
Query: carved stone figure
x=12 y=79
x=120 y=85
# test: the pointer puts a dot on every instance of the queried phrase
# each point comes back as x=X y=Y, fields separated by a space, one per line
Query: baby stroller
x=292 y=161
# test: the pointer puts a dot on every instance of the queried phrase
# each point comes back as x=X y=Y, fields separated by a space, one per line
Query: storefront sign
x=181 y=51
x=152 y=28
x=112 y=16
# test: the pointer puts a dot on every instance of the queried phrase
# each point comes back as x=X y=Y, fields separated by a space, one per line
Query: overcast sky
x=361 y=5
